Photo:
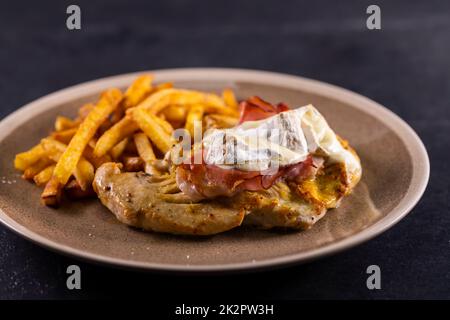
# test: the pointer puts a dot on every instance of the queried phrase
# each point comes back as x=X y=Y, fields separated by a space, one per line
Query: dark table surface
x=404 y=66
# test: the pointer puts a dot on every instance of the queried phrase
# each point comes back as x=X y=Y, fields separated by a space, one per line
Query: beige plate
x=395 y=174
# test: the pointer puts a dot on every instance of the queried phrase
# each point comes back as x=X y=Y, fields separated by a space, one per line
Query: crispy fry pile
x=132 y=128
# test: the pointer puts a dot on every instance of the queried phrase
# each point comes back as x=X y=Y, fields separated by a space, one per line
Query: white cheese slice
x=283 y=139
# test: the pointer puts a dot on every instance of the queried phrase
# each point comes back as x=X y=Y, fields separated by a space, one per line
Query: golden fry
x=162 y=140
x=68 y=161
x=118 y=149
x=64 y=123
x=229 y=98
x=51 y=196
x=214 y=104
x=221 y=121
x=166 y=126
x=114 y=135
x=44 y=176
x=144 y=147
x=64 y=136
x=84 y=170
x=175 y=113
x=158 y=101
x=85 y=109
x=84 y=174
x=27 y=158
x=35 y=168
x=195 y=115
x=138 y=90
x=127 y=127
x=164 y=85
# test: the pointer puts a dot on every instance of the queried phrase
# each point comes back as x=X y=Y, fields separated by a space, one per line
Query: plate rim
x=414 y=145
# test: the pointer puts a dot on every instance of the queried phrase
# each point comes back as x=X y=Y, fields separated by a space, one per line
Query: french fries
x=64 y=123
x=44 y=176
x=162 y=140
x=118 y=149
x=51 y=196
x=229 y=98
x=162 y=99
x=65 y=135
x=84 y=110
x=175 y=113
x=25 y=159
x=84 y=174
x=69 y=159
x=195 y=115
x=84 y=170
x=114 y=135
x=35 y=168
x=137 y=91
x=144 y=148
x=166 y=126
x=220 y=121
x=133 y=129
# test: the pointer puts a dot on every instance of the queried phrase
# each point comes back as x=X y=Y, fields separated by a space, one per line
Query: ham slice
x=200 y=181
x=256 y=108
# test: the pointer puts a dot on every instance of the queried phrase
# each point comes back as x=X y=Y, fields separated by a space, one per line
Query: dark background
x=405 y=66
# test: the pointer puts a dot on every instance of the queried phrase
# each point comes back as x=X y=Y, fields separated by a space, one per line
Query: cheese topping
x=281 y=140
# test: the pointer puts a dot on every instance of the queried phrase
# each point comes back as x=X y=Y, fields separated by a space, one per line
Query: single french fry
x=229 y=98
x=162 y=140
x=85 y=109
x=51 y=196
x=175 y=113
x=194 y=115
x=162 y=86
x=214 y=104
x=133 y=164
x=84 y=174
x=53 y=148
x=118 y=149
x=69 y=159
x=27 y=158
x=158 y=101
x=224 y=121
x=64 y=136
x=166 y=126
x=144 y=147
x=35 y=168
x=137 y=91
x=44 y=176
x=64 y=123
x=114 y=135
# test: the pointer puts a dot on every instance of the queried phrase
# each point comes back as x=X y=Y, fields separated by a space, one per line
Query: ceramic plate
x=395 y=174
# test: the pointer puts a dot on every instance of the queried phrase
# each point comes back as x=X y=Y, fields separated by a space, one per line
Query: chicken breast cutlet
x=154 y=203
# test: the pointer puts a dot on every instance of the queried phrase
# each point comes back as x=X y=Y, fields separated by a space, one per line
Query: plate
x=395 y=174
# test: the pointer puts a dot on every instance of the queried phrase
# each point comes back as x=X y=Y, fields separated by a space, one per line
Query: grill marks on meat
x=134 y=200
